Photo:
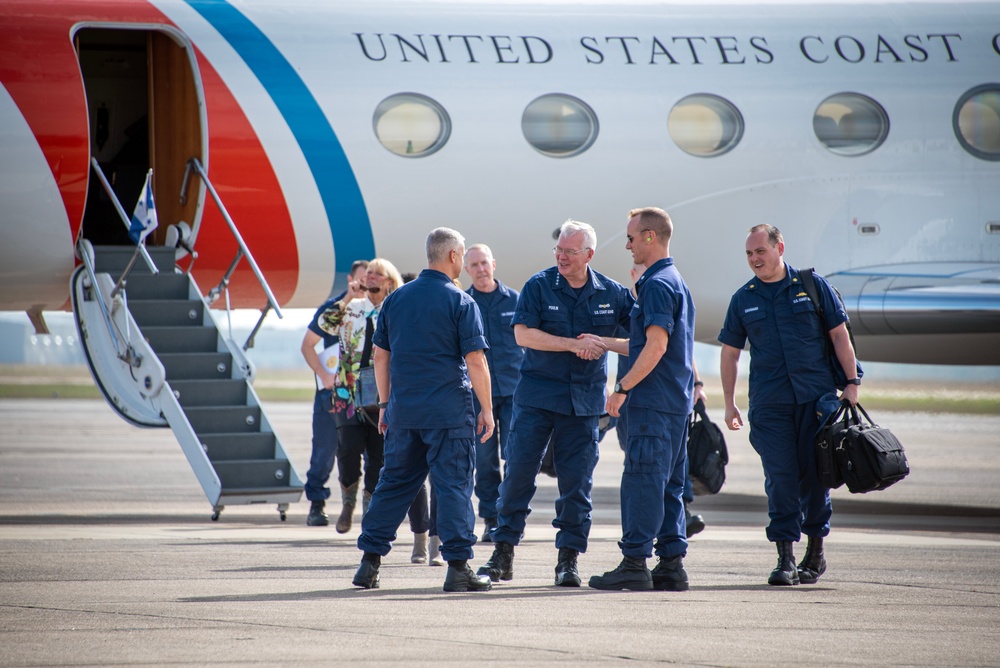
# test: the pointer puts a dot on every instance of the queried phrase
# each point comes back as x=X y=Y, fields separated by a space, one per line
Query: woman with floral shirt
x=354 y=322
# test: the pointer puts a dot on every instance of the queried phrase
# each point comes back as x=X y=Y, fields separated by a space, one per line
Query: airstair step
x=182 y=339
x=192 y=366
x=224 y=447
x=242 y=473
x=223 y=419
x=165 y=285
x=167 y=312
x=210 y=392
x=114 y=259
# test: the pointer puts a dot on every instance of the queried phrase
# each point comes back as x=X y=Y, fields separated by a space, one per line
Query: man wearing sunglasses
x=659 y=386
x=561 y=316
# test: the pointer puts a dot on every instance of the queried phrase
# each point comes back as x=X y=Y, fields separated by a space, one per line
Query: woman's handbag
x=867 y=457
x=365 y=389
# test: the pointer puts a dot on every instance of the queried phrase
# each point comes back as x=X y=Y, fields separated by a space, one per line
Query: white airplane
x=868 y=132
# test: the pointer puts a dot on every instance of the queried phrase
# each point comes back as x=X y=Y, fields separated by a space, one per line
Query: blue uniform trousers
x=783 y=435
x=448 y=454
x=653 y=484
x=621 y=427
x=324 y=447
x=575 y=454
x=488 y=456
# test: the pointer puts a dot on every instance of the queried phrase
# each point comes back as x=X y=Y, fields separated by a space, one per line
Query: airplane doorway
x=144 y=111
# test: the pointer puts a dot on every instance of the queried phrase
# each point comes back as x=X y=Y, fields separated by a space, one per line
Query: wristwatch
x=620 y=390
x=383 y=404
x=854 y=381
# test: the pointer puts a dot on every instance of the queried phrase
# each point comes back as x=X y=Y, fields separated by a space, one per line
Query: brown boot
x=349 y=495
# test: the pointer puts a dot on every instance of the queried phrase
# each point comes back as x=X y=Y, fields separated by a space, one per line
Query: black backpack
x=809 y=285
x=707 y=453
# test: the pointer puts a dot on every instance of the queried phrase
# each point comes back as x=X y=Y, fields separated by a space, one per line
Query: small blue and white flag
x=144 y=217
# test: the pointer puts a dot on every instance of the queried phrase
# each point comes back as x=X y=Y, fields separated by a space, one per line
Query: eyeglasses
x=631 y=238
x=558 y=249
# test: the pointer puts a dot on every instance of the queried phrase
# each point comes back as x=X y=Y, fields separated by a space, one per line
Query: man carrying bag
x=789 y=375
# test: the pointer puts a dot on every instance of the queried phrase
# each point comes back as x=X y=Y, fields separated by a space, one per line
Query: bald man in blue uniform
x=659 y=386
x=561 y=317
x=789 y=374
x=496 y=304
x=429 y=359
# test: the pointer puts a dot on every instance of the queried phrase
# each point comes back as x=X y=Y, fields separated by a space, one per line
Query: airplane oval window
x=977 y=121
x=705 y=125
x=559 y=126
x=411 y=125
x=850 y=124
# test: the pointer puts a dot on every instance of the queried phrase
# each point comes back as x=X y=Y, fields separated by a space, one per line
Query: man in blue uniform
x=789 y=373
x=324 y=429
x=659 y=385
x=496 y=304
x=561 y=315
x=429 y=359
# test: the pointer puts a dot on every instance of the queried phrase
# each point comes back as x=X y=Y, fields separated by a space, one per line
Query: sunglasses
x=370 y=289
x=631 y=238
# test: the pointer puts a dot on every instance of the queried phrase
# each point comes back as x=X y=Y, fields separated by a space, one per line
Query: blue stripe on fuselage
x=338 y=188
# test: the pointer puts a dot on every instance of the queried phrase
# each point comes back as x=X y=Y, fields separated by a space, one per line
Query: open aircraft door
x=146 y=111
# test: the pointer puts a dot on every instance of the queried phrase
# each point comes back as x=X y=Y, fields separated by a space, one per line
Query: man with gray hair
x=561 y=315
x=429 y=359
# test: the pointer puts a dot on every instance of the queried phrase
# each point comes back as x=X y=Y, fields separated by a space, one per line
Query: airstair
x=160 y=360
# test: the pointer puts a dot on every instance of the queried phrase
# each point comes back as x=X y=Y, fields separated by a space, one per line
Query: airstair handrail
x=241 y=252
x=140 y=248
x=130 y=357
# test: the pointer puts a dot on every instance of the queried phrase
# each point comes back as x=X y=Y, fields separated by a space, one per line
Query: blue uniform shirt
x=560 y=381
x=504 y=356
x=788 y=362
x=665 y=301
x=429 y=326
x=329 y=340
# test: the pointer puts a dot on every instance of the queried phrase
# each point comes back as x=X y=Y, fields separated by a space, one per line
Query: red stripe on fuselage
x=39 y=68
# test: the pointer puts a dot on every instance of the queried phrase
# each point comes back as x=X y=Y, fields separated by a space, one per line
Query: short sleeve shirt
x=788 y=362
x=664 y=301
x=504 y=355
x=560 y=381
x=329 y=340
x=428 y=326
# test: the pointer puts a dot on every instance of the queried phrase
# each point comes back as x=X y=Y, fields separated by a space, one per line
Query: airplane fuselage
x=336 y=131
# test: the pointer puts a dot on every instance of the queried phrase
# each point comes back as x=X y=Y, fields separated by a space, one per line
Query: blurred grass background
x=75 y=382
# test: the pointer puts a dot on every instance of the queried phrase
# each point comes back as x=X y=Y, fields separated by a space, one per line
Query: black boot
x=813 y=564
x=501 y=564
x=461 y=578
x=785 y=573
x=631 y=574
x=490 y=524
x=367 y=573
x=695 y=523
x=566 y=573
x=317 y=515
x=669 y=574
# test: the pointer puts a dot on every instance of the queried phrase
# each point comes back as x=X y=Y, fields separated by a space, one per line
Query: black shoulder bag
x=365 y=388
x=707 y=453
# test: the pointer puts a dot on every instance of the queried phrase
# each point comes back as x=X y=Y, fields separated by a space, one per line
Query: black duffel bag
x=867 y=456
x=707 y=453
x=828 y=440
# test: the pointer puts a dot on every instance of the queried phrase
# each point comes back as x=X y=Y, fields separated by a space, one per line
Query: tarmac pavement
x=108 y=557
